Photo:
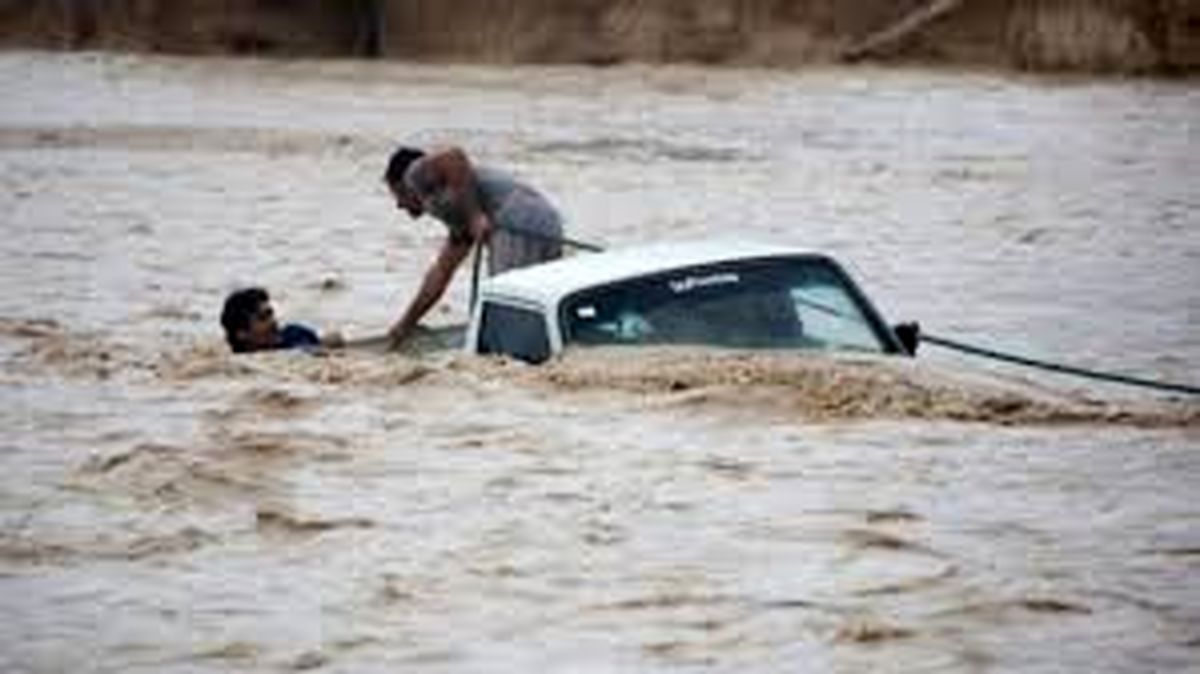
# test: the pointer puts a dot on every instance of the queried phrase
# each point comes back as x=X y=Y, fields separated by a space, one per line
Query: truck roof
x=546 y=284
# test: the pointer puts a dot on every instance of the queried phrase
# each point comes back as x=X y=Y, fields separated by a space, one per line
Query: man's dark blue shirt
x=296 y=336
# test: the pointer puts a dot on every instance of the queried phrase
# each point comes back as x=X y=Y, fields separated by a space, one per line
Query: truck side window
x=512 y=331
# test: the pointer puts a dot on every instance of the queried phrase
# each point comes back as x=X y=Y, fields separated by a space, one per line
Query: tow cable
x=911 y=335
x=971 y=349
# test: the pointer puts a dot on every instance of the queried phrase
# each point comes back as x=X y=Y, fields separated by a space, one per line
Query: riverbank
x=1114 y=36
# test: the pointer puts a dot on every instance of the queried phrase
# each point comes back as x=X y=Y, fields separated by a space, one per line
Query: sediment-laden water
x=165 y=506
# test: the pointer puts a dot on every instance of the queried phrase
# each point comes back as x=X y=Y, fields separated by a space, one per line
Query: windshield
x=799 y=302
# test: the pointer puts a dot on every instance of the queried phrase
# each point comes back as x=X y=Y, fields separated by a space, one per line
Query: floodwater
x=165 y=506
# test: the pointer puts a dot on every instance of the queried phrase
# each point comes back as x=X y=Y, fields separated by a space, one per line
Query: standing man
x=480 y=206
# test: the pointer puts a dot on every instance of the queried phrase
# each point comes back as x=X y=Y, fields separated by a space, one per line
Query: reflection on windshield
x=772 y=303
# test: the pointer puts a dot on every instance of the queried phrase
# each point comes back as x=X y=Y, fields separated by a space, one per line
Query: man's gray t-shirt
x=528 y=229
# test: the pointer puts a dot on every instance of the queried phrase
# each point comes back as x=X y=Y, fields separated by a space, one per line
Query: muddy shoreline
x=1095 y=36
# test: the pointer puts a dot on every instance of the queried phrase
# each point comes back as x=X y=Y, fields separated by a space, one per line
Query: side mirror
x=909 y=335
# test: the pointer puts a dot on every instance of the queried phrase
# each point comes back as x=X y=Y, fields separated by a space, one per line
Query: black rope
x=520 y=231
x=475 y=264
x=553 y=238
x=1057 y=367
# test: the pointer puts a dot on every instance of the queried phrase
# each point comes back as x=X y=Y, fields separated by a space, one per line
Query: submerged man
x=250 y=325
x=480 y=206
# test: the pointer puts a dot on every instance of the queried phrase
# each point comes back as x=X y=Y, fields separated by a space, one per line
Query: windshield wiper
x=823 y=308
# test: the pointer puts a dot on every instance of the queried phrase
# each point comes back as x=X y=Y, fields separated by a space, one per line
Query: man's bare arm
x=433 y=285
x=333 y=340
x=452 y=170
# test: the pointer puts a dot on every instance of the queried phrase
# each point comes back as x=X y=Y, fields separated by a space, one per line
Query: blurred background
x=1124 y=36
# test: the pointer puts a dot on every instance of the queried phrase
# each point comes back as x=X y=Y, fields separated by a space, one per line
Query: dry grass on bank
x=1079 y=36
x=1074 y=35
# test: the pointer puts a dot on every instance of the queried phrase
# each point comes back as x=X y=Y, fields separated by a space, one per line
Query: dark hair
x=240 y=307
x=401 y=159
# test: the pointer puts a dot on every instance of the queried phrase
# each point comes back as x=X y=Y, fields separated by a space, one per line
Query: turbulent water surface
x=165 y=506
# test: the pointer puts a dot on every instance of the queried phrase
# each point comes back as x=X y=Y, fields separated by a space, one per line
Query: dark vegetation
x=1124 y=36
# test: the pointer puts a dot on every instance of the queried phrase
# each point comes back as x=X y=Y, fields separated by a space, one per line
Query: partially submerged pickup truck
x=722 y=294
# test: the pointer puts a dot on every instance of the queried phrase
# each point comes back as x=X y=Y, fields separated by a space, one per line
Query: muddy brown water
x=165 y=506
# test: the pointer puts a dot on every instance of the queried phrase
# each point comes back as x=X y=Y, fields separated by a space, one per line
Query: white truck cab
x=714 y=293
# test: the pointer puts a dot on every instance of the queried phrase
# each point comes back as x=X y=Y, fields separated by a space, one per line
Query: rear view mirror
x=909 y=335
